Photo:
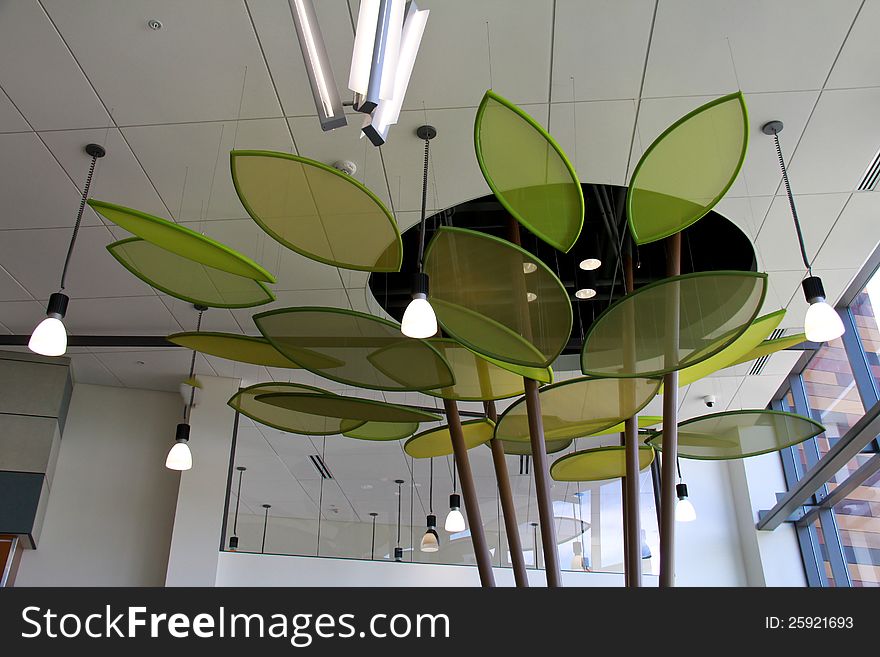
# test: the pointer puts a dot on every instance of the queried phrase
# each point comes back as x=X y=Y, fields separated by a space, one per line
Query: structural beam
x=514 y=542
x=852 y=442
x=542 y=484
x=670 y=424
x=469 y=492
x=632 y=512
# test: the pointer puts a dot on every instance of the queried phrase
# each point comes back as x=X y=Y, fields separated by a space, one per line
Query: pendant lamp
x=180 y=456
x=419 y=320
x=684 y=509
x=821 y=323
x=233 y=540
x=431 y=541
x=454 y=520
x=398 y=551
x=50 y=337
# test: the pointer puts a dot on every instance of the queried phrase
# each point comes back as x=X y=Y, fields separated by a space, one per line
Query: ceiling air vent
x=759 y=364
x=320 y=466
x=872 y=174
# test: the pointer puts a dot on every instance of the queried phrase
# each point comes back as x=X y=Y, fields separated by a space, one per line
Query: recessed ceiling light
x=590 y=264
x=585 y=293
x=529 y=267
x=367 y=487
x=153 y=24
x=531 y=296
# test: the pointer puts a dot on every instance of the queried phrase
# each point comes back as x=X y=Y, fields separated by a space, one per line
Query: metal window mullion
x=802 y=407
x=858 y=360
x=811 y=555
x=834 y=547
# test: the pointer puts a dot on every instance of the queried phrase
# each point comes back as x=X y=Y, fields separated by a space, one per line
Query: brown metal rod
x=542 y=484
x=469 y=492
x=507 y=507
x=670 y=425
x=632 y=511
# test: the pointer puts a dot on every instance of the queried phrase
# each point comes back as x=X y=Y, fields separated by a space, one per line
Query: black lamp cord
x=82 y=207
x=192 y=368
x=454 y=487
x=399 y=498
x=431 y=490
x=237 y=502
x=797 y=223
x=424 y=205
x=678 y=467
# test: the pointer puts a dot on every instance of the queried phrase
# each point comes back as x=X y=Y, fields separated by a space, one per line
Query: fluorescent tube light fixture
x=324 y=90
x=397 y=65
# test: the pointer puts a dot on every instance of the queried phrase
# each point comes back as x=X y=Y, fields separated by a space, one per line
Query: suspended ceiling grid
x=604 y=77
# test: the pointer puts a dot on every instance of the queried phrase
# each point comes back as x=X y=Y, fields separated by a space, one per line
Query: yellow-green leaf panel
x=181 y=240
x=528 y=172
x=688 y=169
x=317 y=211
x=597 y=464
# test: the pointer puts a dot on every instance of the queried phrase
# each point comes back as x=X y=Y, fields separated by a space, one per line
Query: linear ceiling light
x=387 y=112
x=49 y=337
x=376 y=51
x=821 y=323
x=324 y=90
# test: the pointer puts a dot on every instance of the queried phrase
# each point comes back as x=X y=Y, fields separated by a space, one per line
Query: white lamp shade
x=179 y=457
x=577 y=562
x=685 y=511
x=429 y=542
x=49 y=338
x=419 y=320
x=822 y=323
x=454 y=522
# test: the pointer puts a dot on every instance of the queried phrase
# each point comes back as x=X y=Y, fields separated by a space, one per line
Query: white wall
x=241 y=569
x=198 y=518
x=109 y=516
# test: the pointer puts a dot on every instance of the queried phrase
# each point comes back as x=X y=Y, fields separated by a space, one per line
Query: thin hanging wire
x=424 y=204
x=489 y=54
x=399 y=500
x=454 y=468
x=79 y=215
x=794 y=214
x=192 y=369
x=373 y=541
x=678 y=467
x=431 y=489
x=265 y=525
x=237 y=503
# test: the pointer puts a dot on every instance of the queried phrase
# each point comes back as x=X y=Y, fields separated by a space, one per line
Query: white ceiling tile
x=603 y=130
x=213 y=319
x=690 y=54
x=277 y=35
x=693 y=404
x=190 y=70
x=292 y=298
x=161 y=369
x=118 y=177
x=120 y=316
x=613 y=33
x=340 y=145
x=777 y=240
x=21 y=317
x=756 y=391
x=11 y=119
x=87 y=368
x=781 y=363
x=854 y=236
x=10 y=289
x=839 y=143
x=36 y=191
x=747 y=212
x=40 y=75
x=93 y=272
x=197 y=154
x=856 y=64
x=452 y=68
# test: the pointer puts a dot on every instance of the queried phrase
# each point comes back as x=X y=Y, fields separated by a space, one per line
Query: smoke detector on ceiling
x=347 y=167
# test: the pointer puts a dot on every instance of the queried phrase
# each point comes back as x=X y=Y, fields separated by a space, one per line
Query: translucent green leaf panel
x=187 y=279
x=688 y=169
x=317 y=211
x=768 y=347
x=181 y=240
x=231 y=346
x=579 y=407
x=674 y=323
x=484 y=298
x=438 y=442
x=476 y=379
x=383 y=431
x=738 y=434
x=515 y=448
x=363 y=350
x=245 y=402
x=528 y=172
x=347 y=408
x=597 y=464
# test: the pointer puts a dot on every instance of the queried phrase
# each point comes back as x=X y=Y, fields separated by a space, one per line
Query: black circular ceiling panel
x=713 y=243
